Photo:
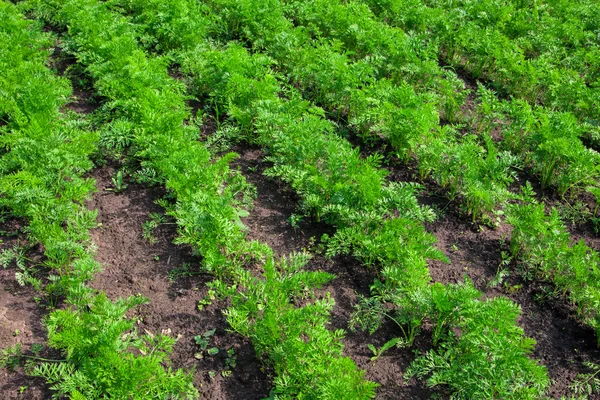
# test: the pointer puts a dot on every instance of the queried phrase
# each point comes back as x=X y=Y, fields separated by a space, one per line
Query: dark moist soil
x=83 y=100
x=20 y=319
x=133 y=265
x=268 y=222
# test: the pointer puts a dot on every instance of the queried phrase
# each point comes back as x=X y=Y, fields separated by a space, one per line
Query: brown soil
x=133 y=265
x=20 y=320
x=83 y=99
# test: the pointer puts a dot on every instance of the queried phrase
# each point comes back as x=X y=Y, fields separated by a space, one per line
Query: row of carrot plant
x=556 y=154
x=549 y=142
x=45 y=154
x=326 y=57
x=547 y=152
x=551 y=91
x=330 y=178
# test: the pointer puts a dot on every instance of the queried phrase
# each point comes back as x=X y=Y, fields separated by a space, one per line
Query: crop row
x=348 y=79
x=145 y=107
x=45 y=155
x=306 y=153
x=546 y=53
x=549 y=141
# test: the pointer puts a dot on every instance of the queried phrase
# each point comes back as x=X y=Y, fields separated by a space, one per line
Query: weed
x=398 y=342
x=208 y=299
x=118 y=183
x=156 y=219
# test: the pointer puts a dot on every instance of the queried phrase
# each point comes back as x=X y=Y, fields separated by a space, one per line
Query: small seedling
x=511 y=289
x=503 y=271
x=231 y=360
x=213 y=351
x=501 y=274
x=203 y=340
x=225 y=373
x=11 y=357
x=36 y=349
x=180 y=272
x=208 y=299
x=25 y=273
x=294 y=220
x=118 y=184
x=388 y=345
x=154 y=222
x=230 y=363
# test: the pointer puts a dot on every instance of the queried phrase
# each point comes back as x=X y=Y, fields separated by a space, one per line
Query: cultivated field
x=285 y=199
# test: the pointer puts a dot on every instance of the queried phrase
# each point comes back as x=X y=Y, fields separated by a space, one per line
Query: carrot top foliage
x=308 y=82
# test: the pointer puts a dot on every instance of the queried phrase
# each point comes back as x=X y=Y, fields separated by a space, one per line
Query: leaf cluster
x=99 y=347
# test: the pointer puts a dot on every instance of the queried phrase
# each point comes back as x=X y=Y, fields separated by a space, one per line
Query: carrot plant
x=99 y=344
x=335 y=379
x=549 y=142
x=481 y=348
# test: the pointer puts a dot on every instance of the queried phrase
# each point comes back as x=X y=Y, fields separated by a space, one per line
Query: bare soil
x=20 y=319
